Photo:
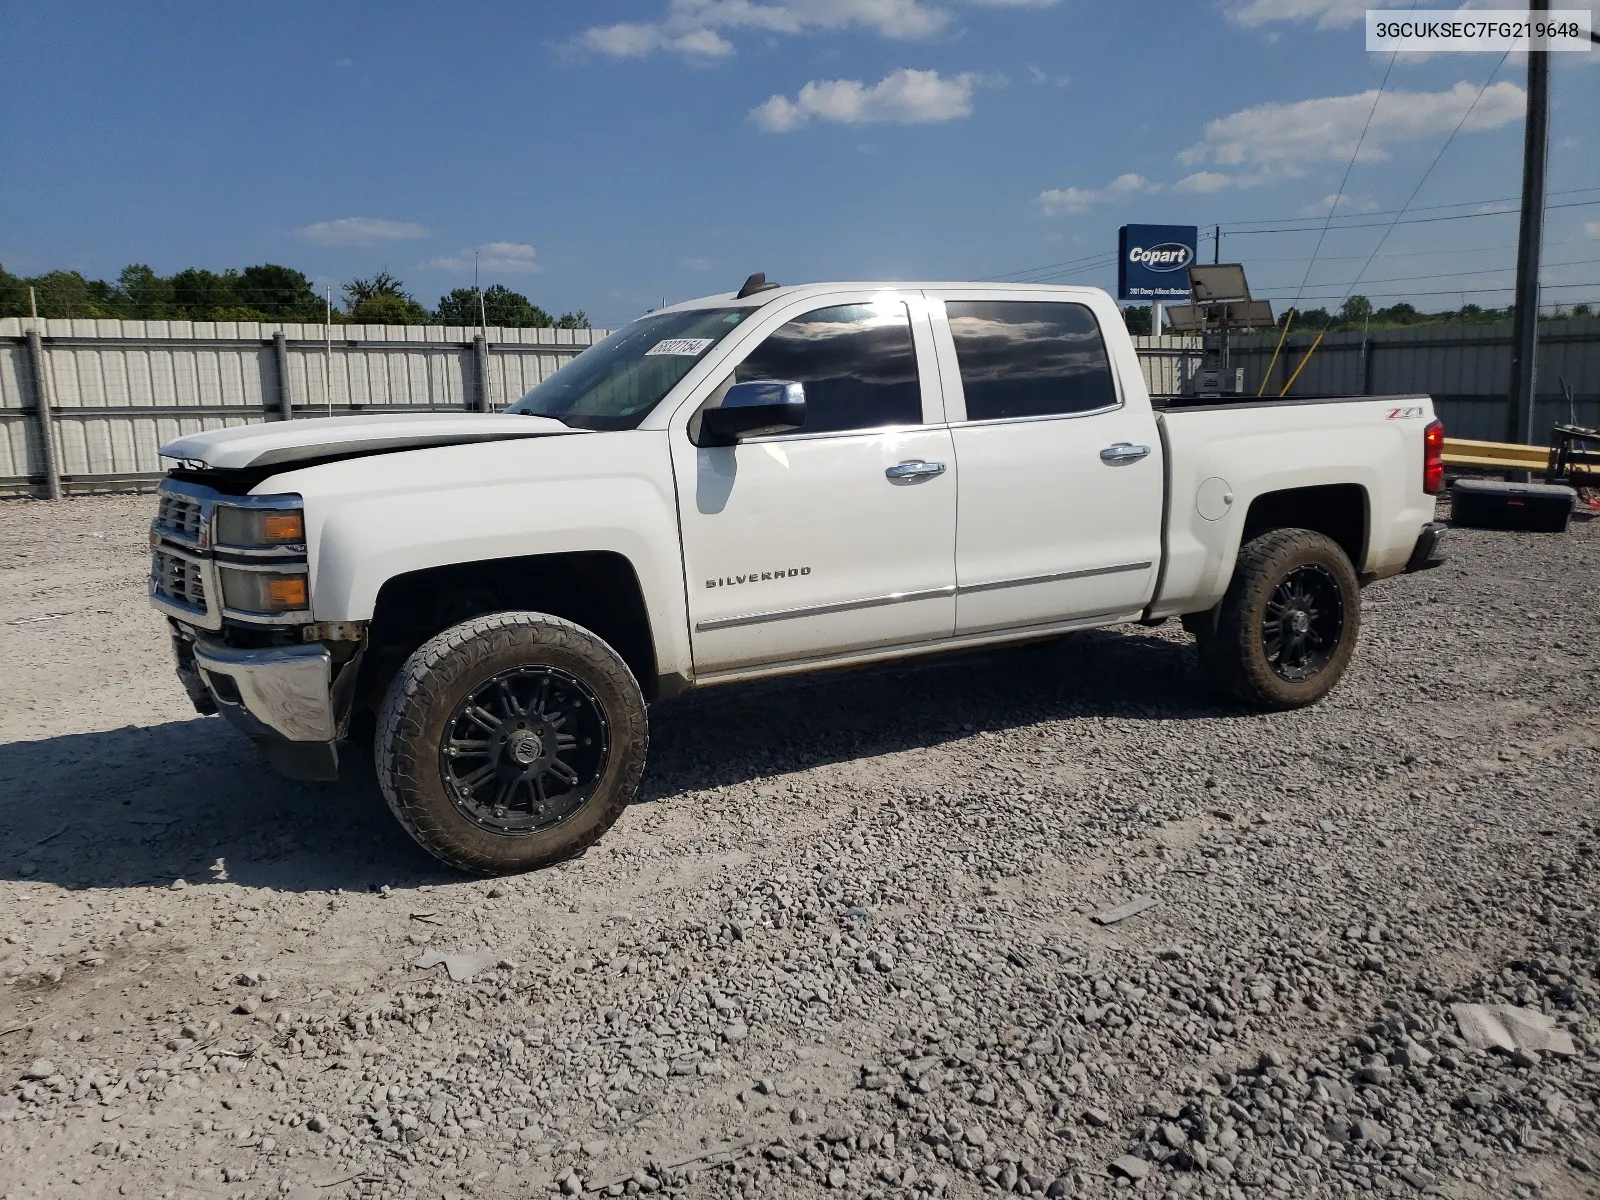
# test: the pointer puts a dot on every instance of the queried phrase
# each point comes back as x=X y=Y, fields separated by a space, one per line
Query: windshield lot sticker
x=687 y=346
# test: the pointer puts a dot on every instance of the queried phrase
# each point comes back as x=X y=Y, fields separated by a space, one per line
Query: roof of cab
x=788 y=291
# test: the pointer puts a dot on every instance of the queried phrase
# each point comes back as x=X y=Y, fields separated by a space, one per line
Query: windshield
x=615 y=383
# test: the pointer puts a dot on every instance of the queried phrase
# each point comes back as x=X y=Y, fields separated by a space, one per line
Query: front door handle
x=915 y=468
x=1123 y=452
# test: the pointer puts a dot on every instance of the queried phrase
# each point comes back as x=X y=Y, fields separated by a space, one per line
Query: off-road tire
x=1230 y=638
x=449 y=667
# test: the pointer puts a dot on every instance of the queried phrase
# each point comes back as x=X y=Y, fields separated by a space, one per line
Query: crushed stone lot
x=845 y=943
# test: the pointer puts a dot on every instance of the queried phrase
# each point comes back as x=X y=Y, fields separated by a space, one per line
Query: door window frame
x=955 y=395
x=698 y=386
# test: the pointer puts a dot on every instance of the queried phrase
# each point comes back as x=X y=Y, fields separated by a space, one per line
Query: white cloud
x=1337 y=200
x=360 y=231
x=1281 y=138
x=507 y=258
x=1206 y=182
x=1328 y=14
x=1079 y=200
x=1042 y=77
x=1592 y=229
x=636 y=41
x=905 y=97
x=690 y=27
x=696 y=264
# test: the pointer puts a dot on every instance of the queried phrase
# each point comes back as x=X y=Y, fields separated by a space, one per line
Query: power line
x=1350 y=166
x=1418 y=253
x=1458 y=274
x=1046 y=267
x=1342 y=296
x=1089 y=259
x=1388 y=212
x=1417 y=221
x=1420 y=183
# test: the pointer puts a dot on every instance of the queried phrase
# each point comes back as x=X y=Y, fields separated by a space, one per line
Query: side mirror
x=752 y=409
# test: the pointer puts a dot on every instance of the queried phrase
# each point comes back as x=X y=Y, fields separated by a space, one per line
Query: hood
x=285 y=442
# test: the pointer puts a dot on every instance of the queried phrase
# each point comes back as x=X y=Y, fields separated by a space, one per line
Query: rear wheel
x=511 y=741
x=1286 y=629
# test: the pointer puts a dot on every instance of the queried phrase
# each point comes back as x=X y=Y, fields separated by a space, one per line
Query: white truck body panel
x=1248 y=450
x=282 y=442
x=1026 y=530
x=1047 y=528
x=370 y=520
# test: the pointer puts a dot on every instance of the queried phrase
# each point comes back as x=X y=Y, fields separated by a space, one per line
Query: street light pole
x=1530 y=236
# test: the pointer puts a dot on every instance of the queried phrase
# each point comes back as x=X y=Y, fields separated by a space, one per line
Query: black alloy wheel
x=1286 y=629
x=524 y=750
x=1302 y=623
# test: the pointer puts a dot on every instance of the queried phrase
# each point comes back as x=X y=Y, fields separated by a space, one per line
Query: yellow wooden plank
x=1512 y=456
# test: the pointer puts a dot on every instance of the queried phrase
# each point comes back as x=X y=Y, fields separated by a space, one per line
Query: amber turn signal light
x=283 y=527
x=287 y=593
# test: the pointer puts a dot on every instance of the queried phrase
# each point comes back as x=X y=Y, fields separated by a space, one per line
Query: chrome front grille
x=183 y=518
x=178 y=579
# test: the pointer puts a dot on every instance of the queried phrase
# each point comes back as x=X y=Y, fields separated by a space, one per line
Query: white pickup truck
x=782 y=480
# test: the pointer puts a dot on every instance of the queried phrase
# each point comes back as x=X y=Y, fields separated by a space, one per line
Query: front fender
x=370 y=520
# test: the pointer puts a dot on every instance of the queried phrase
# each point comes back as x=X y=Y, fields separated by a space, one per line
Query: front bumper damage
x=289 y=700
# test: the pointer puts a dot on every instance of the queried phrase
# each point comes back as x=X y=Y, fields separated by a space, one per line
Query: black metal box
x=1493 y=504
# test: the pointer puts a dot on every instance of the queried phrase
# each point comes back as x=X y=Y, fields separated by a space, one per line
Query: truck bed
x=1220 y=455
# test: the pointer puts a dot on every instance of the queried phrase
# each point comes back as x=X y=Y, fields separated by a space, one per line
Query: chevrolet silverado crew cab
x=782 y=480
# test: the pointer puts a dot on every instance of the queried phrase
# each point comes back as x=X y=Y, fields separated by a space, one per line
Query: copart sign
x=1153 y=261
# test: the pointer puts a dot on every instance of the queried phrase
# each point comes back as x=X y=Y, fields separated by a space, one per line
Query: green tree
x=280 y=292
x=502 y=307
x=382 y=300
x=1137 y=319
x=145 y=295
x=65 y=294
x=196 y=293
x=1355 y=311
x=573 y=320
x=1400 y=314
x=13 y=294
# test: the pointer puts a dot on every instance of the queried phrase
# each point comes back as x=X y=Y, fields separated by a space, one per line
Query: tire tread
x=422 y=681
x=1230 y=654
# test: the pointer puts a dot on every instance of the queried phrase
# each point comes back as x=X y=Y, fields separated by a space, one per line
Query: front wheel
x=510 y=742
x=1286 y=629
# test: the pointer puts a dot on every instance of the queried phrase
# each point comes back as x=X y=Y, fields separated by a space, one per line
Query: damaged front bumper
x=289 y=700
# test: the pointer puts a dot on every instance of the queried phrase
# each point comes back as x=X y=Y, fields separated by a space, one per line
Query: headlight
x=264 y=592
x=260 y=528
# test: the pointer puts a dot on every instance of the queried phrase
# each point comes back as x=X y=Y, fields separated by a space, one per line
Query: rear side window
x=856 y=361
x=1029 y=359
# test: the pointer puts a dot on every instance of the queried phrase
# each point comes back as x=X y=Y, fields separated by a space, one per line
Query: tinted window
x=1025 y=359
x=855 y=360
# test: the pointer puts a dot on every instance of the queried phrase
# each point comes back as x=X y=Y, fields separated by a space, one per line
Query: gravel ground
x=844 y=942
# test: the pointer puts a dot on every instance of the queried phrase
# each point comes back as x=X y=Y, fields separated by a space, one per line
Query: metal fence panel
x=121 y=388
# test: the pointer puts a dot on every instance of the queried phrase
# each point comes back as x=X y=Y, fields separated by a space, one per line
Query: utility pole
x=1530 y=235
x=1216 y=245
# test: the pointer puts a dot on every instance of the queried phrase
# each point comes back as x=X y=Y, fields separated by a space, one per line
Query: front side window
x=615 y=383
x=857 y=363
x=1029 y=359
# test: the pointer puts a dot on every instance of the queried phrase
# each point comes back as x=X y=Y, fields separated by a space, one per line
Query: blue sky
x=612 y=156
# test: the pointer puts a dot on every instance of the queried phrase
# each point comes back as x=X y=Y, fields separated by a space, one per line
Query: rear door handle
x=1123 y=452
x=914 y=468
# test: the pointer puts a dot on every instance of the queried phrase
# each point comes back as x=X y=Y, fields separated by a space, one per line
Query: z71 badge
x=1410 y=412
